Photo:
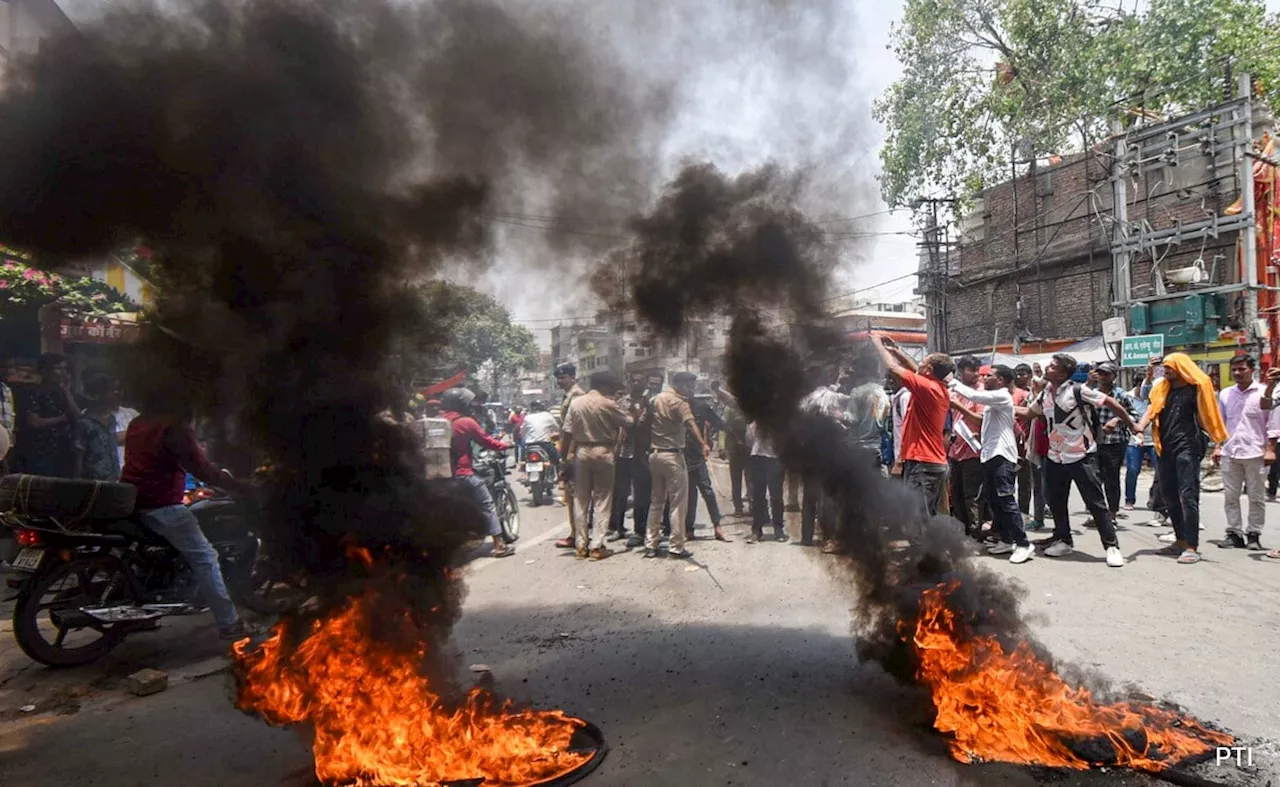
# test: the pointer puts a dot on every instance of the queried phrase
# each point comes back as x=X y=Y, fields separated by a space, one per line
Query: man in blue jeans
x=160 y=449
x=455 y=405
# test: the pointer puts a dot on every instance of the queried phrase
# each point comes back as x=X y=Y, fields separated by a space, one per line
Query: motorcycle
x=541 y=473
x=492 y=467
x=81 y=592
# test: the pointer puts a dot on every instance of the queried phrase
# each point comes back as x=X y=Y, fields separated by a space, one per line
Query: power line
x=632 y=312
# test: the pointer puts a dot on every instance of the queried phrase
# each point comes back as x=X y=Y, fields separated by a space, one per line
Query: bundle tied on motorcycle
x=71 y=502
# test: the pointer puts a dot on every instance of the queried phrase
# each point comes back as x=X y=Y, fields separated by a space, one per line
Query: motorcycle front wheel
x=256 y=583
x=47 y=622
x=508 y=515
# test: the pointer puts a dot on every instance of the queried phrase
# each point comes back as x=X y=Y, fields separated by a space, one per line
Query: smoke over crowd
x=295 y=165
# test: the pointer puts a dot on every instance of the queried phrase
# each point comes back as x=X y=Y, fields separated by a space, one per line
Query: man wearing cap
x=671 y=414
x=1113 y=439
x=567 y=379
x=594 y=427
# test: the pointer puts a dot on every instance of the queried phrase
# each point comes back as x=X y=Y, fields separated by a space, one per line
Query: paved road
x=739 y=671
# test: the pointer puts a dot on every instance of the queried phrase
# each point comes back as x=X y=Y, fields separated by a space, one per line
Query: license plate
x=534 y=467
x=534 y=475
x=28 y=559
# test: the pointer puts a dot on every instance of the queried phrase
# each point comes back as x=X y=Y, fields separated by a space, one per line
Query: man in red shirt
x=455 y=405
x=516 y=423
x=159 y=450
x=924 y=460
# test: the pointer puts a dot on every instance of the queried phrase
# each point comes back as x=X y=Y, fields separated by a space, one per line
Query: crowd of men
x=50 y=431
x=997 y=448
x=1021 y=438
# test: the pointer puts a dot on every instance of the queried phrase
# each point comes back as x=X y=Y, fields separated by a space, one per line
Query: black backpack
x=1083 y=408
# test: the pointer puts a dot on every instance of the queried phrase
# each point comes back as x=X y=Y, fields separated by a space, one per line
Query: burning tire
x=508 y=515
x=49 y=607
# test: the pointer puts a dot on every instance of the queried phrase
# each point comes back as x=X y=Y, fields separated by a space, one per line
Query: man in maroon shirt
x=455 y=405
x=159 y=450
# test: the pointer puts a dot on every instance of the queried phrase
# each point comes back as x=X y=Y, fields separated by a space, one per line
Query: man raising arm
x=924 y=460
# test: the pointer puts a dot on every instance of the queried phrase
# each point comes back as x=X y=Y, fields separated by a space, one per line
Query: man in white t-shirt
x=123 y=416
x=1071 y=411
x=540 y=427
x=999 y=457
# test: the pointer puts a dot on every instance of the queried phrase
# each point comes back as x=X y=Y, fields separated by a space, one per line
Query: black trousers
x=641 y=491
x=1110 y=462
x=966 y=493
x=766 y=478
x=1273 y=478
x=813 y=508
x=1027 y=476
x=700 y=480
x=1180 y=480
x=1058 y=479
x=739 y=471
x=622 y=469
x=1000 y=485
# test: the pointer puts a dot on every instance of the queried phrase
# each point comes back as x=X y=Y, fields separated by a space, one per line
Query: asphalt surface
x=736 y=668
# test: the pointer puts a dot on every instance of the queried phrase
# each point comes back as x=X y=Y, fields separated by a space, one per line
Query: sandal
x=504 y=552
x=1274 y=554
x=1188 y=557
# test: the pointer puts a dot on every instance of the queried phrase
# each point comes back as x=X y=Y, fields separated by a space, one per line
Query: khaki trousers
x=670 y=483
x=593 y=488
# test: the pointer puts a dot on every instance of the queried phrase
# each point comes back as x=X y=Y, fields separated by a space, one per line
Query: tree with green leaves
x=465 y=329
x=24 y=286
x=988 y=82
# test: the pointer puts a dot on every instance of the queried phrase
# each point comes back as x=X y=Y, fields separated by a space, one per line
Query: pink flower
x=4 y=285
x=29 y=275
x=11 y=266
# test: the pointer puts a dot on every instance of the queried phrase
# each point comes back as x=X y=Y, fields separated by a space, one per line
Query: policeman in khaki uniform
x=593 y=429
x=671 y=415
x=567 y=379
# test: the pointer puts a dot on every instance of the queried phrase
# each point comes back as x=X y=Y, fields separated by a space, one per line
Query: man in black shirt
x=1183 y=407
x=47 y=444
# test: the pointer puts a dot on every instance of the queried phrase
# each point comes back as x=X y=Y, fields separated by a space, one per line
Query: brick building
x=1039 y=261
x=1032 y=265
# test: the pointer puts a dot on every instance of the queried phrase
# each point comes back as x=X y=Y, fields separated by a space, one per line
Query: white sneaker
x=1000 y=549
x=1160 y=521
x=1167 y=538
x=1115 y=558
x=1059 y=549
x=1022 y=554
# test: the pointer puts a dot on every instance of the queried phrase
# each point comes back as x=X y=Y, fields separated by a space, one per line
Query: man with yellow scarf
x=1183 y=408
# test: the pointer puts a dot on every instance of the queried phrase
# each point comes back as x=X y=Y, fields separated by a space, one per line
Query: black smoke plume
x=744 y=245
x=296 y=165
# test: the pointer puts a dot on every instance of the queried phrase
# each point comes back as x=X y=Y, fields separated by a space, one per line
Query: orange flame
x=376 y=719
x=1011 y=707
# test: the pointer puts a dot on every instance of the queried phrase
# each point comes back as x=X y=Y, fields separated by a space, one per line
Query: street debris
x=147 y=681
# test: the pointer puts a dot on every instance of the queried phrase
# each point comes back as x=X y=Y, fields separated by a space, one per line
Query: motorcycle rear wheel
x=59 y=592
x=537 y=493
x=508 y=515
